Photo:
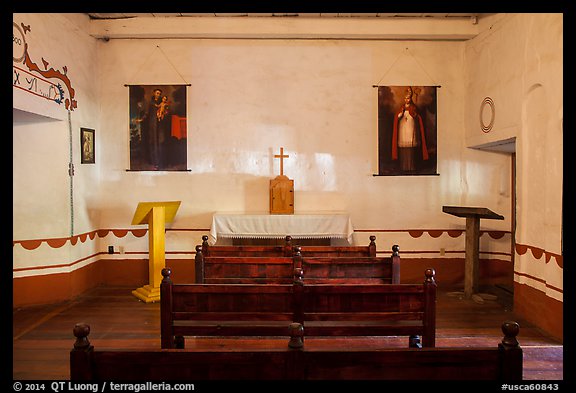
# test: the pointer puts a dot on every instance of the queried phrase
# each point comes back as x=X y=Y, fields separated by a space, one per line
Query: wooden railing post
x=295 y=369
x=511 y=356
x=205 y=245
x=298 y=297
x=297 y=258
x=372 y=246
x=199 y=266
x=288 y=251
x=429 y=336
x=81 y=354
x=395 y=264
x=166 y=332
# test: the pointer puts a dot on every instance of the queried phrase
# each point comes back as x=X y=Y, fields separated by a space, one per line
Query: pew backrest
x=370 y=310
x=285 y=362
x=222 y=310
x=327 y=309
x=277 y=269
x=245 y=270
x=287 y=249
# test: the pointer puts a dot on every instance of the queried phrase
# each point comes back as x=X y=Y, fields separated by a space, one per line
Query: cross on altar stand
x=281 y=156
x=281 y=190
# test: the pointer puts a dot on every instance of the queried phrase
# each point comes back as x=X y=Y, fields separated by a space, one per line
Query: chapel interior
x=289 y=117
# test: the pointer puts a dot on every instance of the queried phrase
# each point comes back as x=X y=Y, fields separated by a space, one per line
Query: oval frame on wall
x=487 y=103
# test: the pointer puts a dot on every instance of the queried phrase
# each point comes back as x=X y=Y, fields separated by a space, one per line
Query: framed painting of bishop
x=407 y=130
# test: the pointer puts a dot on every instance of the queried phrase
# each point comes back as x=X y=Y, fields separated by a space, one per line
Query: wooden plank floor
x=42 y=335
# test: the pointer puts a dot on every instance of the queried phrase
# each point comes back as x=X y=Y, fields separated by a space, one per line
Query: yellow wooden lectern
x=156 y=215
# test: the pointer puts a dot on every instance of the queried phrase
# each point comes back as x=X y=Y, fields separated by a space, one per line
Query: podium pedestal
x=156 y=215
x=473 y=216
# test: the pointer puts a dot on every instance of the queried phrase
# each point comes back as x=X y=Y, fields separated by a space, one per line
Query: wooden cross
x=281 y=156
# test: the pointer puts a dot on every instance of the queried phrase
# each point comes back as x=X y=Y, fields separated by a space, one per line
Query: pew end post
x=395 y=264
x=510 y=353
x=288 y=250
x=81 y=354
x=205 y=246
x=429 y=321
x=296 y=331
x=167 y=340
x=372 y=246
x=199 y=265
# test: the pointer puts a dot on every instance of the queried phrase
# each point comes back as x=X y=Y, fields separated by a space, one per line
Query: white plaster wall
x=247 y=98
x=519 y=63
x=315 y=98
x=41 y=143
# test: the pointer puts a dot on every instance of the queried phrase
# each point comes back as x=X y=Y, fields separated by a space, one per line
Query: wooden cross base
x=281 y=195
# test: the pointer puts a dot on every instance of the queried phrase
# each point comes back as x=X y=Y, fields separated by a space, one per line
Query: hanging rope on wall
x=71 y=175
x=167 y=59
x=407 y=51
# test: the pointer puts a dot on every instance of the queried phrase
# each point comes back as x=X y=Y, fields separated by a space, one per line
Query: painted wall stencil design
x=407 y=130
x=158 y=127
x=40 y=81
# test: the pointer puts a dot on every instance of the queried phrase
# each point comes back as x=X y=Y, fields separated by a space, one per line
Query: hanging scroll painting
x=158 y=127
x=407 y=130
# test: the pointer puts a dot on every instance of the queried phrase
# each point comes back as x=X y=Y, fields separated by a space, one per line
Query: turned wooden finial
x=429 y=273
x=166 y=272
x=297 y=250
x=81 y=332
x=395 y=250
x=299 y=276
x=510 y=330
x=296 y=335
x=372 y=239
x=205 y=246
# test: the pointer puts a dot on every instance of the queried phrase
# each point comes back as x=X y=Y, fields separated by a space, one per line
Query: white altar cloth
x=299 y=226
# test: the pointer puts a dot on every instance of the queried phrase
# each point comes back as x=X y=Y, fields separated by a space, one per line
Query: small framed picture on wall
x=87 y=145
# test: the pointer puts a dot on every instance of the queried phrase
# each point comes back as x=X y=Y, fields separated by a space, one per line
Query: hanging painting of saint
x=158 y=127
x=407 y=132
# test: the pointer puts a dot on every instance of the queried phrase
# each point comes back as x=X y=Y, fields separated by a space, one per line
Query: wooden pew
x=243 y=269
x=280 y=269
x=349 y=269
x=286 y=250
x=222 y=310
x=324 y=309
x=341 y=251
x=246 y=251
x=369 y=310
x=291 y=359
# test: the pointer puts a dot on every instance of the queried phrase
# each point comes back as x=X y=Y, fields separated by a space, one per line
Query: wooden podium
x=156 y=215
x=473 y=216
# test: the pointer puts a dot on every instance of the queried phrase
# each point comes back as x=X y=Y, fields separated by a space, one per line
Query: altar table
x=278 y=226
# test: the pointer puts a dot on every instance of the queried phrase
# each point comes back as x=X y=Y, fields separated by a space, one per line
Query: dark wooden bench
x=291 y=359
x=243 y=269
x=323 y=309
x=349 y=269
x=280 y=269
x=287 y=250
